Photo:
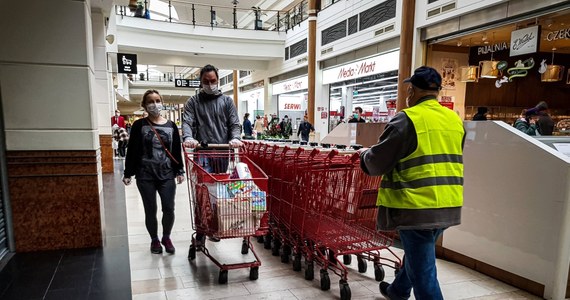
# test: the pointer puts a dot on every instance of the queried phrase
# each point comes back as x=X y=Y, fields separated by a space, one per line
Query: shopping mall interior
x=72 y=228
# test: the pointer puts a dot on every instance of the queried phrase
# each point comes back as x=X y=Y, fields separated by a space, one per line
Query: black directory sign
x=127 y=63
x=186 y=83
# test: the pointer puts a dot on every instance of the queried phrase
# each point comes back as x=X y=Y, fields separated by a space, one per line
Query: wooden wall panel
x=107 y=162
x=55 y=199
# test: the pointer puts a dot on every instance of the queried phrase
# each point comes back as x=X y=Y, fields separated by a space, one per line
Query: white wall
x=516 y=211
x=47 y=75
x=462 y=7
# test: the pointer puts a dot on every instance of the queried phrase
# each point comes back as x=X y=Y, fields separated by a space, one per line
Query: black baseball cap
x=425 y=78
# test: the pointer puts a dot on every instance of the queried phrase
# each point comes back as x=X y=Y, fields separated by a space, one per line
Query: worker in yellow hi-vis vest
x=420 y=158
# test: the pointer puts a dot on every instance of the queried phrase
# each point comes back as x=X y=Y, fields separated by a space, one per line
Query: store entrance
x=507 y=69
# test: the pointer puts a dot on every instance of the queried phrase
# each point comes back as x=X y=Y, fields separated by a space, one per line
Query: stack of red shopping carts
x=322 y=206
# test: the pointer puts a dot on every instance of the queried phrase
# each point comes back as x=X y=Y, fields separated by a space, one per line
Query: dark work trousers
x=166 y=190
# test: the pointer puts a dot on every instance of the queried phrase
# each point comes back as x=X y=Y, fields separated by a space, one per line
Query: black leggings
x=167 y=190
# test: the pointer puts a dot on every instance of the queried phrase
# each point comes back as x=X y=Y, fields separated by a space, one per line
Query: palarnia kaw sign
x=366 y=67
x=524 y=41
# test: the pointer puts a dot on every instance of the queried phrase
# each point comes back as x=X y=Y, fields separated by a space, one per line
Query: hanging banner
x=524 y=41
x=126 y=63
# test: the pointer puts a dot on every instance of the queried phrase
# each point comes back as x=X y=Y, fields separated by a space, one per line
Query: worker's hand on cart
x=235 y=143
x=180 y=179
x=126 y=180
x=190 y=143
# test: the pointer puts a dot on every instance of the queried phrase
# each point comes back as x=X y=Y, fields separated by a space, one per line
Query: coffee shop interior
x=496 y=67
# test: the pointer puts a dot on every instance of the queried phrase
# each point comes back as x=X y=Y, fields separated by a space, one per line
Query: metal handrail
x=278 y=20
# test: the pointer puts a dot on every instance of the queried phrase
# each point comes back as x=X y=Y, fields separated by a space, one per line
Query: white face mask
x=154 y=109
x=210 y=89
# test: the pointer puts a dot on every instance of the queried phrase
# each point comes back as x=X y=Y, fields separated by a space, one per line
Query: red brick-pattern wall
x=55 y=199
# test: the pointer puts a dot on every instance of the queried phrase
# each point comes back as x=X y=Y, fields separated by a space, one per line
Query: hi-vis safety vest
x=432 y=176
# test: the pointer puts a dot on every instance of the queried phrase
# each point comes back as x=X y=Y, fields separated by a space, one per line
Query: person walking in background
x=420 y=158
x=305 y=128
x=481 y=114
x=155 y=159
x=247 y=127
x=357 y=116
x=210 y=117
x=117 y=119
x=121 y=136
x=285 y=127
x=258 y=126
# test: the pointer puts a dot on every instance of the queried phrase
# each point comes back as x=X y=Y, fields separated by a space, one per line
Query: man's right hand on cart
x=190 y=143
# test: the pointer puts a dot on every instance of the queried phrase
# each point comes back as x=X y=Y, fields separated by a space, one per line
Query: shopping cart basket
x=224 y=206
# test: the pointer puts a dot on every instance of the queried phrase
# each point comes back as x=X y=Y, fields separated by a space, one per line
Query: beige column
x=406 y=50
x=312 y=58
x=52 y=139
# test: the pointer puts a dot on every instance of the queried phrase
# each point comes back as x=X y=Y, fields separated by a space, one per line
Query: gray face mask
x=154 y=109
x=210 y=89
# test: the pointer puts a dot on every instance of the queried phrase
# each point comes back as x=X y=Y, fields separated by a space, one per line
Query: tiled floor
x=174 y=277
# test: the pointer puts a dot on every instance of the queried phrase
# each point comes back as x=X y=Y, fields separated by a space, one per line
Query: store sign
x=301 y=83
x=524 y=41
x=293 y=103
x=186 y=83
x=447 y=101
x=558 y=35
x=366 y=67
x=492 y=48
x=127 y=63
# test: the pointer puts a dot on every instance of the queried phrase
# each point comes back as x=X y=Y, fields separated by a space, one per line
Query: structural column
x=236 y=88
x=52 y=140
x=102 y=91
x=406 y=50
x=312 y=59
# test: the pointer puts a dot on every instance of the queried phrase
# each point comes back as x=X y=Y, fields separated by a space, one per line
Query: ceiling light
x=459 y=43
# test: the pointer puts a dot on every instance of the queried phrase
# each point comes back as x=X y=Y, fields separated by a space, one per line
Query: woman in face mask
x=154 y=157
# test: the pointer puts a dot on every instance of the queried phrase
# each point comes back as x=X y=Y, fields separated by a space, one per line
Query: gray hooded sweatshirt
x=212 y=119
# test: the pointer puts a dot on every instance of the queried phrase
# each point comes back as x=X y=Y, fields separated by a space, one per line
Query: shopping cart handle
x=204 y=145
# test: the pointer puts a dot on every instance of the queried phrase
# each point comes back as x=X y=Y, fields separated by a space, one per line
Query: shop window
x=378 y=14
x=243 y=74
x=333 y=33
x=286 y=53
x=231 y=78
x=432 y=1
x=298 y=48
x=352 y=25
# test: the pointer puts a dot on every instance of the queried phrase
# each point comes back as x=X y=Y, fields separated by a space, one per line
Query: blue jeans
x=419 y=271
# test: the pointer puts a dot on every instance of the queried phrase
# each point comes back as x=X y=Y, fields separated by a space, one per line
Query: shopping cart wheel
x=254 y=273
x=192 y=253
x=223 y=278
x=310 y=271
x=345 y=293
x=284 y=258
x=244 y=247
x=379 y=273
x=332 y=257
x=267 y=242
x=275 y=247
x=362 y=266
x=297 y=263
x=325 y=280
x=260 y=239
x=347 y=259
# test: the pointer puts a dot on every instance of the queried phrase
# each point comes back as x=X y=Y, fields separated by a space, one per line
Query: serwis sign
x=366 y=67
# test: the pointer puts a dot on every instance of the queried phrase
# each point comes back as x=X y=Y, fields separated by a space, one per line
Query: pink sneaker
x=168 y=246
x=155 y=247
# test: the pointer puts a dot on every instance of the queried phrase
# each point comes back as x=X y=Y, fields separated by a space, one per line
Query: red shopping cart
x=225 y=206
